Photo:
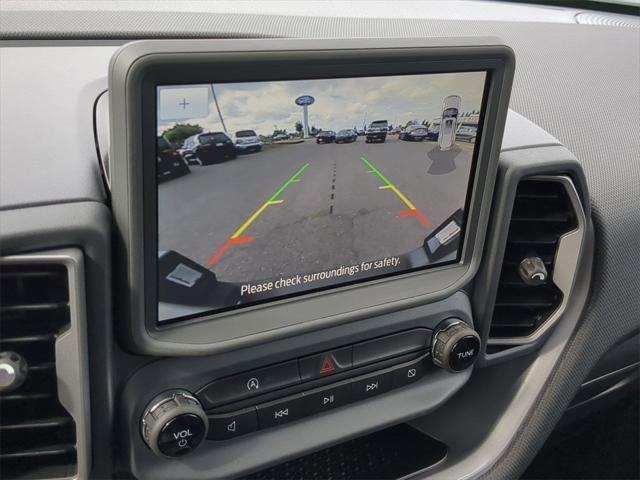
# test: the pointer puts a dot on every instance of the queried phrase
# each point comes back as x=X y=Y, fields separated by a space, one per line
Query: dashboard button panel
x=287 y=391
x=326 y=363
x=313 y=367
x=248 y=384
x=371 y=386
x=407 y=374
x=280 y=411
x=390 y=346
x=226 y=426
x=326 y=398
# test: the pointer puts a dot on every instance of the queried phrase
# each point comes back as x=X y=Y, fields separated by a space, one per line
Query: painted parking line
x=238 y=237
x=412 y=210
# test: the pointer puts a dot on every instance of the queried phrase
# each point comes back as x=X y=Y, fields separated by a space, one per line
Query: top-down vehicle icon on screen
x=448 y=123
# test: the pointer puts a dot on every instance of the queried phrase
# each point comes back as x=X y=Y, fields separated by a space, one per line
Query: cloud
x=339 y=103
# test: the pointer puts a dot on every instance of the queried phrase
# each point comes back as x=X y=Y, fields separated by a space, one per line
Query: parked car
x=432 y=133
x=170 y=163
x=211 y=147
x=346 y=136
x=377 y=131
x=280 y=136
x=188 y=156
x=326 y=136
x=413 y=133
x=247 y=141
x=361 y=132
x=467 y=134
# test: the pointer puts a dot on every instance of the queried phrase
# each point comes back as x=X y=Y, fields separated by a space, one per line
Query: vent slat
x=47 y=423
x=542 y=240
x=30 y=339
x=21 y=397
x=32 y=307
x=537 y=196
x=39 y=452
x=526 y=303
x=42 y=367
x=542 y=213
x=551 y=218
x=37 y=435
x=516 y=324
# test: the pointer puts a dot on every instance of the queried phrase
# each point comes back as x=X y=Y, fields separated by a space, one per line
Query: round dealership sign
x=305 y=100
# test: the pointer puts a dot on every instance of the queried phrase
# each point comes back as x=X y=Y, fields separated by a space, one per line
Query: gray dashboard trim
x=133 y=67
x=557 y=64
x=505 y=397
x=566 y=264
x=58 y=164
x=226 y=459
x=82 y=227
x=514 y=166
x=72 y=361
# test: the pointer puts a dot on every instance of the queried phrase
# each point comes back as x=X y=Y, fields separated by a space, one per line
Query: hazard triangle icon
x=327 y=365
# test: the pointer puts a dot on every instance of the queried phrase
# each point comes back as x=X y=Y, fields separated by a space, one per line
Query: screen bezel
x=151 y=172
x=137 y=70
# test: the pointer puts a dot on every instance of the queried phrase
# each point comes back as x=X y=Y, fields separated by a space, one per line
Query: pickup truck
x=377 y=131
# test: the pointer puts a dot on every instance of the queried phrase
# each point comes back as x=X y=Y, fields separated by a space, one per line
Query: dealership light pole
x=215 y=99
x=304 y=101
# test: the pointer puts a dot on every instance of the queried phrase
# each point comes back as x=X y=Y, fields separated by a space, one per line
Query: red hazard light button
x=325 y=363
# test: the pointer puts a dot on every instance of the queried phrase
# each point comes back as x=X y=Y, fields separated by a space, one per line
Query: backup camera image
x=273 y=189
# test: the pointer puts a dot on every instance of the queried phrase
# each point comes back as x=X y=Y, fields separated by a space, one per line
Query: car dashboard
x=457 y=371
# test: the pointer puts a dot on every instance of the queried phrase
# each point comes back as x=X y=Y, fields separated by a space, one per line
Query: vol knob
x=174 y=424
x=455 y=345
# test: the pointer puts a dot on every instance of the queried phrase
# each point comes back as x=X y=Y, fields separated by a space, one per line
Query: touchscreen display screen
x=268 y=190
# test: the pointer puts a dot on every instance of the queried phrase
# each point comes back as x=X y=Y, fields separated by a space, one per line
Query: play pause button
x=323 y=399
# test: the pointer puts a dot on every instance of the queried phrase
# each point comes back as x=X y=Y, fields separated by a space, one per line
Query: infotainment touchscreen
x=270 y=190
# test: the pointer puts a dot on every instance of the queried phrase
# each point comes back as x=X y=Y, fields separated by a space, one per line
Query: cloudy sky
x=339 y=103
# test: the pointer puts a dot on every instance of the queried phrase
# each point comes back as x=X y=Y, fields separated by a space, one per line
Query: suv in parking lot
x=247 y=141
x=414 y=133
x=208 y=148
x=326 y=136
x=468 y=134
x=346 y=136
x=377 y=131
x=170 y=163
x=433 y=132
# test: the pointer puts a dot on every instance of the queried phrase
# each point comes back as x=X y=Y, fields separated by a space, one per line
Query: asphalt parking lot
x=302 y=208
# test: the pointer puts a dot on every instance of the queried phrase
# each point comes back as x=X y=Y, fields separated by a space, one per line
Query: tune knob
x=455 y=345
x=174 y=424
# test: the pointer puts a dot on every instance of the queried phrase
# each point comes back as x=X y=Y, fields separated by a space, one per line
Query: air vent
x=37 y=435
x=543 y=212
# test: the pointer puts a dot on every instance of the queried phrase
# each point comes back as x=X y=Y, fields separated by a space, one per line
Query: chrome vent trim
x=71 y=357
x=566 y=261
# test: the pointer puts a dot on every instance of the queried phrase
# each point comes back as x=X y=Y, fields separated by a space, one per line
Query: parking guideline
x=273 y=200
x=412 y=209
x=286 y=184
x=237 y=237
